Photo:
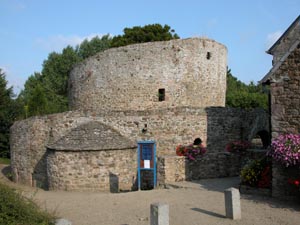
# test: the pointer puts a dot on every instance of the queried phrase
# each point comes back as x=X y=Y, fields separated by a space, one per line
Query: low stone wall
x=113 y=170
x=210 y=165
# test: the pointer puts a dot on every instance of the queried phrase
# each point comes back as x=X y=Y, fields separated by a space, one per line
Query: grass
x=4 y=161
x=15 y=209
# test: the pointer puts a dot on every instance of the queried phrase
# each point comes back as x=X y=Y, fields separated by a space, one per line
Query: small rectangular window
x=161 y=94
x=208 y=55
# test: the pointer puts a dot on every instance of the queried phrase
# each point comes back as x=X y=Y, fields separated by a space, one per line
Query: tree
x=6 y=114
x=95 y=45
x=244 y=96
x=47 y=92
x=148 y=33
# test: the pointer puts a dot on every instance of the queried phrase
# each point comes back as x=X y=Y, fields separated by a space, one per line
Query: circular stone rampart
x=176 y=73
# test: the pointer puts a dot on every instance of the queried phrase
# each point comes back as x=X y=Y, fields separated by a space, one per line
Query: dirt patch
x=191 y=203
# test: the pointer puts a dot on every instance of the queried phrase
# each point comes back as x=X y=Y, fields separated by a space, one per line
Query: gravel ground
x=193 y=203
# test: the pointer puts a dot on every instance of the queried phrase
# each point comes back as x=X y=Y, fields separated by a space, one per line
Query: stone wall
x=168 y=127
x=28 y=138
x=192 y=72
x=281 y=188
x=113 y=170
x=285 y=96
x=210 y=165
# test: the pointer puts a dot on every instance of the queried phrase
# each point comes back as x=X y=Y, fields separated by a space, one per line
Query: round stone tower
x=177 y=73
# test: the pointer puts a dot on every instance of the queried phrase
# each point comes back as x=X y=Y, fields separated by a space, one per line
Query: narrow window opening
x=208 y=55
x=161 y=94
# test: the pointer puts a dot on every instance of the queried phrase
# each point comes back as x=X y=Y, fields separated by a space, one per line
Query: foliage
x=95 y=45
x=47 y=92
x=148 y=33
x=257 y=173
x=285 y=149
x=238 y=146
x=240 y=95
x=18 y=210
x=5 y=161
x=294 y=182
x=192 y=152
x=7 y=114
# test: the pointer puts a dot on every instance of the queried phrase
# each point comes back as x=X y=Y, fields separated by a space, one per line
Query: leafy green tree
x=6 y=114
x=148 y=33
x=244 y=96
x=47 y=92
x=95 y=45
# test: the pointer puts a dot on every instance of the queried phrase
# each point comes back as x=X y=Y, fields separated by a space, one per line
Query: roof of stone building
x=92 y=136
x=292 y=46
x=268 y=76
x=288 y=30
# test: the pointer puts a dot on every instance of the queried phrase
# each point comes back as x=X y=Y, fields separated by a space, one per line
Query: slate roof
x=290 y=28
x=292 y=46
x=92 y=136
x=268 y=76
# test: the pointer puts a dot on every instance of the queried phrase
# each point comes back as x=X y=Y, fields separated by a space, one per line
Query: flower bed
x=237 y=146
x=257 y=173
x=191 y=151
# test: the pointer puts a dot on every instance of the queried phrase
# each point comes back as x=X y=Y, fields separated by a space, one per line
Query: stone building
x=170 y=92
x=284 y=82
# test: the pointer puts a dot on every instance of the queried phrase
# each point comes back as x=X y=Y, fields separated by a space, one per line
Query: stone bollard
x=159 y=214
x=62 y=221
x=232 y=203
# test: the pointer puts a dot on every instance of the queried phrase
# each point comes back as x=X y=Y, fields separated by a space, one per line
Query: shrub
x=190 y=151
x=285 y=149
x=257 y=173
x=238 y=146
x=18 y=210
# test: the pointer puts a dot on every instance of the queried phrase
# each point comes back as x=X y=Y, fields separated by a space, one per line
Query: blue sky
x=31 y=29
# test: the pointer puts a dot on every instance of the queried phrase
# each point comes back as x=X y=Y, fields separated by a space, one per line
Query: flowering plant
x=294 y=182
x=257 y=173
x=237 y=146
x=285 y=149
x=190 y=151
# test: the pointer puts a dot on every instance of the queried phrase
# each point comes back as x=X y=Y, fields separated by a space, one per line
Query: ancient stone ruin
x=170 y=92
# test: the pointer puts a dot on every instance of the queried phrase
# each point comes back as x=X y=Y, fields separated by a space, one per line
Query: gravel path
x=194 y=203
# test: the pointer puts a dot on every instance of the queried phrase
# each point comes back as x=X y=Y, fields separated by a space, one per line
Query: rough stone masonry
x=170 y=92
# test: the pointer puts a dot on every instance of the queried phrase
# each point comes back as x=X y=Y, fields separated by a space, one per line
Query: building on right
x=283 y=82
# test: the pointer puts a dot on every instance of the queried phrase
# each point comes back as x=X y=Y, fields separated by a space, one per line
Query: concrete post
x=232 y=203
x=159 y=214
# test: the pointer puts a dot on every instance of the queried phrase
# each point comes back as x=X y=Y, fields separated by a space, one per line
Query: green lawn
x=4 y=161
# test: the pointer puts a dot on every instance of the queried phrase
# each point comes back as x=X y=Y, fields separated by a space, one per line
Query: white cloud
x=58 y=42
x=272 y=38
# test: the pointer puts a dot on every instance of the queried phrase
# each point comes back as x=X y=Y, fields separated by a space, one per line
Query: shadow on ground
x=221 y=184
x=6 y=172
x=208 y=212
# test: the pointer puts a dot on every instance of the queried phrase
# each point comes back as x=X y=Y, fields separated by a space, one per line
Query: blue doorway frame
x=146 y=159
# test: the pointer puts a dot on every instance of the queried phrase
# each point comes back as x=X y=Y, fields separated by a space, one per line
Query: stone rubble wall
x=112 y=171
x=192 y=72
x=210 y=165
x=285 y=97
x=168 y=127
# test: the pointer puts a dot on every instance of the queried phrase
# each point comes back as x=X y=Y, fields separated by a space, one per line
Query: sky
x=31 y=29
